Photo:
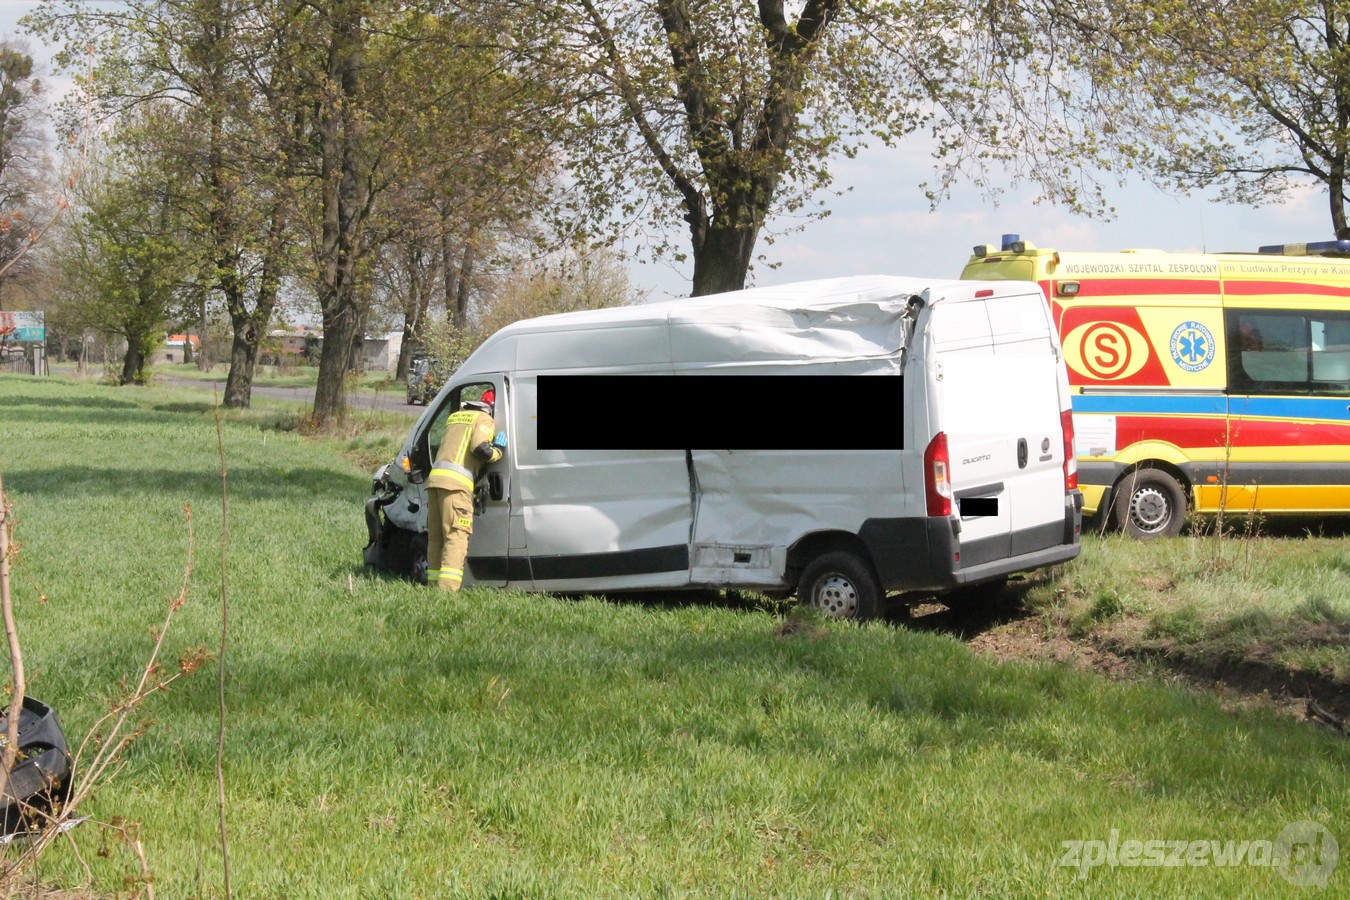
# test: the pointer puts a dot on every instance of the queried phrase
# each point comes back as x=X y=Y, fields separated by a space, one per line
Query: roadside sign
x=23 y=326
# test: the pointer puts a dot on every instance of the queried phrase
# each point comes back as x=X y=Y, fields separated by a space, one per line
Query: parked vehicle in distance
x=840 y=439
x=1201 y=382
x=422 y=381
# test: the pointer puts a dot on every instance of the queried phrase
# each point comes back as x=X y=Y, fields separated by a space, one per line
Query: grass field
x=386 y=742
x=367 y=382
x=1274 y=595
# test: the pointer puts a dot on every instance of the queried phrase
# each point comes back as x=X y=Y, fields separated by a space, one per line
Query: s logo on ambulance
x=1192 y=346
x=1107 y=351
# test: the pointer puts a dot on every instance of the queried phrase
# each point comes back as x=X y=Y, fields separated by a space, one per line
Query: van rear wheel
x=841 y=585
x=1149 y=504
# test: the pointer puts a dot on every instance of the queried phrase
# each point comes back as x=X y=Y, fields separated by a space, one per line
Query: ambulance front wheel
x=841 y=585
x=1149 y=504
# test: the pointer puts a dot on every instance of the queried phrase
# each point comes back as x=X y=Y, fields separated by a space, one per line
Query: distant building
x=381 y=350
x=301 y=346
x=293 y=346
x=175 y=349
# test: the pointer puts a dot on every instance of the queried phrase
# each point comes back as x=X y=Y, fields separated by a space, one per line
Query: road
x=393 y=402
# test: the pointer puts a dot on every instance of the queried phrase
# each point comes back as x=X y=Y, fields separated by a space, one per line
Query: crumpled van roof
x=840 y=318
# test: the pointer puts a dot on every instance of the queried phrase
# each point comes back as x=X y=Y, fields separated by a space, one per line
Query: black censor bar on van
x=721 y=412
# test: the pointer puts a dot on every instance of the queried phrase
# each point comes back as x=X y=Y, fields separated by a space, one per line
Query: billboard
x=23 y=326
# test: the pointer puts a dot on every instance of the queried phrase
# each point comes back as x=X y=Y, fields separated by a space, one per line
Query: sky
x=884 y=224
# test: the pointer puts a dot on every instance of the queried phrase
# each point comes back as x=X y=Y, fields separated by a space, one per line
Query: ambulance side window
x=1330 y=333
x=1279 y=352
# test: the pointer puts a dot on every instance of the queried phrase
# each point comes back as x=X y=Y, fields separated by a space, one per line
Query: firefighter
x=469 y=445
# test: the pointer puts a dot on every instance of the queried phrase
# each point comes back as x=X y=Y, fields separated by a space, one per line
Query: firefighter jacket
x=466 y=449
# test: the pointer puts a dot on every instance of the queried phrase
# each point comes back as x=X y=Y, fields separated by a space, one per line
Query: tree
x=124 y=256
x=227 y=66
x=724 y=113
x=566 y=281
x=24 y=163
x=302 y=116
x=1246 y=96
x=346 y=163
x=420 y=133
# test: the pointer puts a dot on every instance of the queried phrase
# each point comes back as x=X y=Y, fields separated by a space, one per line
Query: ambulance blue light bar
x=1012 y=243
x=1317 y=248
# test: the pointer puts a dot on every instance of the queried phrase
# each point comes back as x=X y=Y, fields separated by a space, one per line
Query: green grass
x=1280 y=598
x=387 y=742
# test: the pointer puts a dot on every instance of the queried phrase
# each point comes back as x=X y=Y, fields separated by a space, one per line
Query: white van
x=935 y=451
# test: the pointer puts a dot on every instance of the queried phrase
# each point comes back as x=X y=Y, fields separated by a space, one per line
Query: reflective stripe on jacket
x=456 y=466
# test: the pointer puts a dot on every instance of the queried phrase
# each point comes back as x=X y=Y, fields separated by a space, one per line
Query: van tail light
x=937 y=484
x=1070 y=457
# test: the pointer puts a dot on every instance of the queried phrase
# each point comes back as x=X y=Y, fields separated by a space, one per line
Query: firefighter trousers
x=449 y=524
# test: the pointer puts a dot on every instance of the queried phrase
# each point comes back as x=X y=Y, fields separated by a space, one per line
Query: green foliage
x=565 y=282
x=125 y=257
x=383 y=741
x=24 y=162
x=1247 y=96
x=721 y=116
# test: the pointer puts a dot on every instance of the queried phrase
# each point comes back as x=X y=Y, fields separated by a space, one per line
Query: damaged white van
x=845 y=440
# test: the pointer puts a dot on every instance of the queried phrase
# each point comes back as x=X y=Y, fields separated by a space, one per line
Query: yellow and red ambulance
x=1200 y=381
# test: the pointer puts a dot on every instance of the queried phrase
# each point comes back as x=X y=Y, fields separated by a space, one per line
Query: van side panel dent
x=771 y=498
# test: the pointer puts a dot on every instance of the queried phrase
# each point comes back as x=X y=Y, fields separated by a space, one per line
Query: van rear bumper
x=1023 y=563
x=921 y=555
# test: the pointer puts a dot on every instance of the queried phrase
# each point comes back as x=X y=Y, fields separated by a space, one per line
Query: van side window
x=429 y=442
x=1279 y=352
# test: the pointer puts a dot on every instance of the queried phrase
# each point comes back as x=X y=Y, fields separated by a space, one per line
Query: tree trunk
x=133 y=363
x=414 y=312
x=243 y=363
x=345 y=205
x=722 y=261
x=357 y=361
x=250 y=325
x=462 y=281
x=457 y=277
x=204 y=349
x=330 y=394
x=405 y=347
x=1336 y=189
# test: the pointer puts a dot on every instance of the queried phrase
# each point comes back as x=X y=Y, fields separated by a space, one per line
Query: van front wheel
x=1150 y=504
x=841 y=585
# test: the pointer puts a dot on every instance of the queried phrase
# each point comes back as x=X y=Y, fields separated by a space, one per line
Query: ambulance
x=846 y=440
x=1201 y=382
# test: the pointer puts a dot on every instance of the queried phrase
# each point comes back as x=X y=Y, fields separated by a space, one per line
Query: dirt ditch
x=1007 y=632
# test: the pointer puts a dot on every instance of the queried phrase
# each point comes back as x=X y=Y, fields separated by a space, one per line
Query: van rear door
x=982 y=451
x=998 y=366
x=1027 y=356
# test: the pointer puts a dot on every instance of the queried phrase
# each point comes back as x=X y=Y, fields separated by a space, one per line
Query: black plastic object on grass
x=41 y=775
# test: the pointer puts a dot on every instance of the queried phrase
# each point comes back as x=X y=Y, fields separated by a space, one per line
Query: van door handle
x=495 y=490
x=1021 y=453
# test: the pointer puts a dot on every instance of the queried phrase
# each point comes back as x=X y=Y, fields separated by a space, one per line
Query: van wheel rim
x=1149 y=510
x=837 y=596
